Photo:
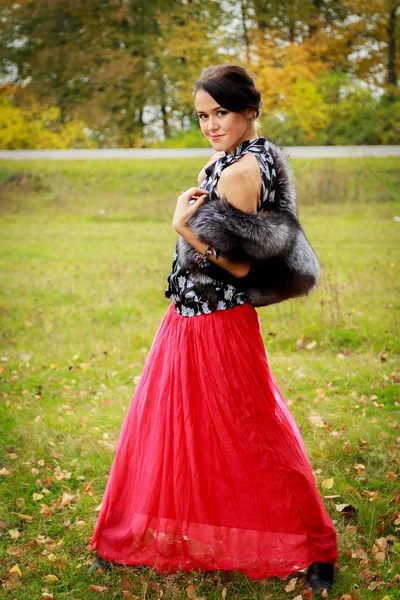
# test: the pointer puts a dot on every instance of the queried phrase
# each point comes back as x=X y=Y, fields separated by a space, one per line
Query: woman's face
x=225 y=129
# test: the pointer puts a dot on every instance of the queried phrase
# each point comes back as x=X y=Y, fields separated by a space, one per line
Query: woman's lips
x=213 y=138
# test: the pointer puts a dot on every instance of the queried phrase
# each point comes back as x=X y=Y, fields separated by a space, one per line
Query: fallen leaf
x=51 y=578
x=14 y=550
x=46 y=596
x=361 y=554
x=366 y=575
x=14 y=533
x=51 y=557
x=347 y=510
x=391 y=476
x=15 y=571
x=327 y=484
x=311 y=345
x=20 y=502
x=291 y=585
x=300 y=597
x=67 y=499
x=223 y=593
x=381 y=544
x=37 y=497
x=191 y=590
x=98 y=588
x=374 y=584
x=125 y=583
x=380 y=556
x=80 y=523
x=89 y=490
x=28 y=518
x=128 y=594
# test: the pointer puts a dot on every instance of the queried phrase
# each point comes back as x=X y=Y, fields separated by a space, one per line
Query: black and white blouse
x=181 y=289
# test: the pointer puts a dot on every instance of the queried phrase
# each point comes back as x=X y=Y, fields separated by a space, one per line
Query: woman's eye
x=222 y=112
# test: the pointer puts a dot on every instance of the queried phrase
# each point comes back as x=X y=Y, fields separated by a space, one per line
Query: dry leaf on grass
x=125 y=583
x=14 y=533
x=191 y=590
x=366 y=575
x=51 y=578
x=15 y=571
x=97 y=588
x=291 y=585
x=327 y=484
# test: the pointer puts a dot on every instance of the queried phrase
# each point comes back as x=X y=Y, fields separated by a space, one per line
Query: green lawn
x=85 y=251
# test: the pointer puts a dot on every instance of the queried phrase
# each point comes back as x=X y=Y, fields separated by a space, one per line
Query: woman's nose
x=212 y=124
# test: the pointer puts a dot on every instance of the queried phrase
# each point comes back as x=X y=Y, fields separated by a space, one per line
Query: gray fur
x=284 y=264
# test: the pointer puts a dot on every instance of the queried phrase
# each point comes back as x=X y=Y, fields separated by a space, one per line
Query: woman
x=211 y=471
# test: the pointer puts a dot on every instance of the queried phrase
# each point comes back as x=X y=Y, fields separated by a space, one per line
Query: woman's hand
x=212 y=160
x=187 y=204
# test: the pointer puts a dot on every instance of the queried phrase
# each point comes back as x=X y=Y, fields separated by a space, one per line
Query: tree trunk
x=391 y=29
x=243 y=7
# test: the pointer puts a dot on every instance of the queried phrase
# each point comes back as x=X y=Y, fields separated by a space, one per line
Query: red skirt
x=210 y=470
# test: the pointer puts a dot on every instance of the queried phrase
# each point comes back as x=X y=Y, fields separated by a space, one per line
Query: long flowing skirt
x=210 y=470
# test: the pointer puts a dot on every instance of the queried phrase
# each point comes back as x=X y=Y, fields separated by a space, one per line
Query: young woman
x=211 y=471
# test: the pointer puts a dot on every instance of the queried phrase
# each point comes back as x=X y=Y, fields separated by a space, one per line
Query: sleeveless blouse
x=181 y=288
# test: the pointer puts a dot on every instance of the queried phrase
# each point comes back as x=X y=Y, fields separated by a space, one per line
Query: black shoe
x=99 y=563
x=319 y=576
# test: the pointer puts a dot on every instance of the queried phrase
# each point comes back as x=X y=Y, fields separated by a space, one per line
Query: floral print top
x=181 y=289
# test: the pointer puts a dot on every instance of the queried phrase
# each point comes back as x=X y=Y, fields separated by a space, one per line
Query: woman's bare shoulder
x=240 y=184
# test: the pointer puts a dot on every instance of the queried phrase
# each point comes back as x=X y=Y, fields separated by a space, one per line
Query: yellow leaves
x=51 y=578
x=37 y=497
x=327 y=484
x=317 y=421
x=97 y=588
x=52 y=557
x=15 y=571
x=14 y=534
x=20 y=502
x=223 y=593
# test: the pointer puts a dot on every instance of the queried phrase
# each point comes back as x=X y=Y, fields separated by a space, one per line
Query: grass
x=85 y=251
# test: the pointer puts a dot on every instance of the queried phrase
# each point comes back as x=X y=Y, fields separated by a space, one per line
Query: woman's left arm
x=240 y=185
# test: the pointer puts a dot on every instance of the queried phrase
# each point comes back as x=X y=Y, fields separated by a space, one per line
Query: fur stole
x=284 y=264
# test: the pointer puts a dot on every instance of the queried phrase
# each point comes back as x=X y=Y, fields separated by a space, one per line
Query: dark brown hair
x=231 y=86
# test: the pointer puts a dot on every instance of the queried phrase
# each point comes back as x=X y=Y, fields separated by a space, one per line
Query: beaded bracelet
x=202 y=259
